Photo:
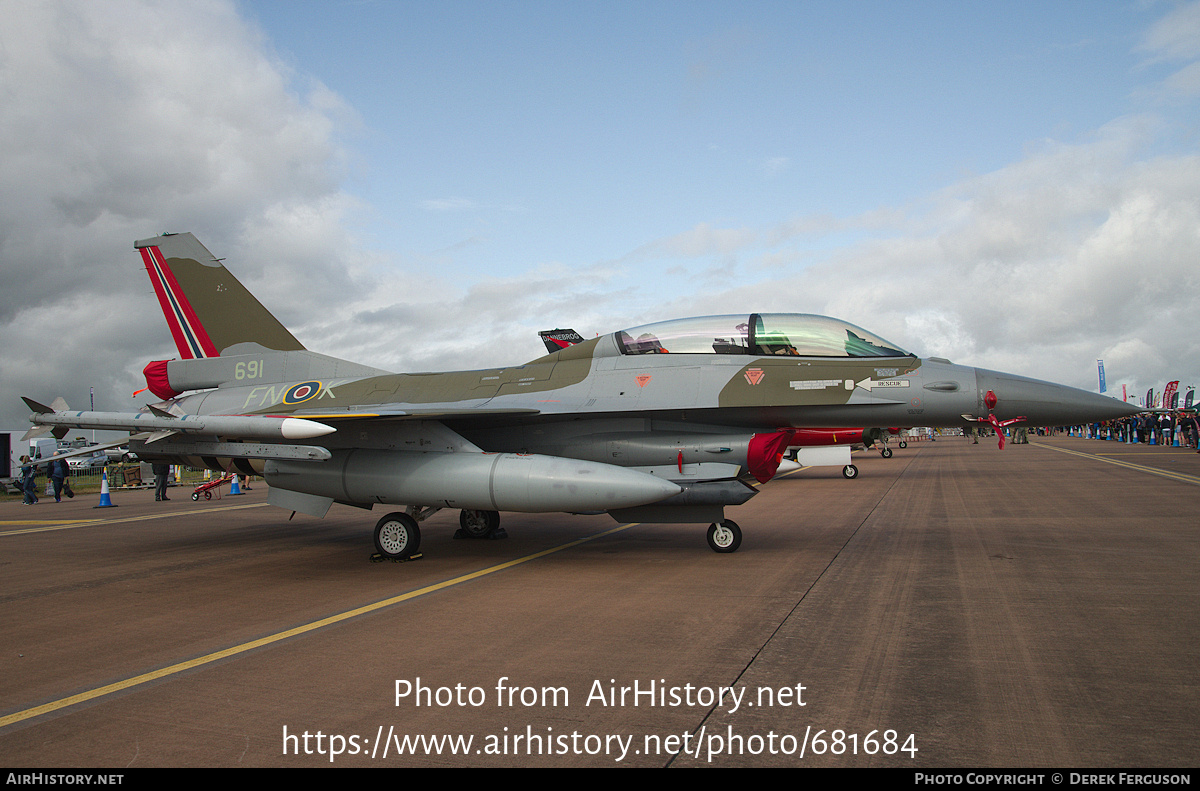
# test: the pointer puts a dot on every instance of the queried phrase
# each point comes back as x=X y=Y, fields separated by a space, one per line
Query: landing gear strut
x=724 y=536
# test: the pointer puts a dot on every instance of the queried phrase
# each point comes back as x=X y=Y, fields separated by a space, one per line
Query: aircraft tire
x=478 y=524
x=850 y=472
x=903 y=444
x=724 y=536
x=397 y=536
x=886 y=453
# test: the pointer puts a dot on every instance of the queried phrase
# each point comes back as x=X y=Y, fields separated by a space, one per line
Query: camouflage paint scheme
x=665 y=422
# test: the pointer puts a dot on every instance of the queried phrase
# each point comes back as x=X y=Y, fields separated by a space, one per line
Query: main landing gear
x=724 y=536
x=397 y=536
x=479 y=524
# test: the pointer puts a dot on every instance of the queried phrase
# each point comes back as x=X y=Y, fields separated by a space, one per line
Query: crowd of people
x=1150 y=428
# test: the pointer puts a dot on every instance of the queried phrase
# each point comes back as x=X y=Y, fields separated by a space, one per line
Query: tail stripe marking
x=190 y=337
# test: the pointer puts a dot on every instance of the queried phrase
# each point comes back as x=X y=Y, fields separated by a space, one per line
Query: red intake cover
x=765 y=452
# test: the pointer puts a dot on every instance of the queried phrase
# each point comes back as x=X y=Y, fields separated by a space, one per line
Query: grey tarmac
x=1030 y=607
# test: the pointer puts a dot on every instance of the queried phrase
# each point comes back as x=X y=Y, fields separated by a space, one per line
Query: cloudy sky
x=424 y=185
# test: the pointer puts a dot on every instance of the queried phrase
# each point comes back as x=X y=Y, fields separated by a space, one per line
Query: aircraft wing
x=416 y=414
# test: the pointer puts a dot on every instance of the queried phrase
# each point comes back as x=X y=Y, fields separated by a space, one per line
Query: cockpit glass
x=784 y=334
x=703 y=335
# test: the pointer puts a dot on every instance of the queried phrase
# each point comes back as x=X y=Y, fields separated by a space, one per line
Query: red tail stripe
x=186 y=329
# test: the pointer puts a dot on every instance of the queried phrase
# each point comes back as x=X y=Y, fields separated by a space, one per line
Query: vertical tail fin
x=206 y=308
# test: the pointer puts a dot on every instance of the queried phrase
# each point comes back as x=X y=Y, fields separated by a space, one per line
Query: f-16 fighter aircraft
x=666 y=422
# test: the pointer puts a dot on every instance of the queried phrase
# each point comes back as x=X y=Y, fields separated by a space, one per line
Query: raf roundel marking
x=305 y=391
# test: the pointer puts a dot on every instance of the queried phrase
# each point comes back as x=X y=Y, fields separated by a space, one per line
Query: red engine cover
x=765 y=452
x=156 y=380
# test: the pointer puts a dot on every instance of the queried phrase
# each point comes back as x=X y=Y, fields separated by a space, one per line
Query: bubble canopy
x=773 y=334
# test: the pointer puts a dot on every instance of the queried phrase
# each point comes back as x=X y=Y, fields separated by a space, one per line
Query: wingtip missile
x=166 y=424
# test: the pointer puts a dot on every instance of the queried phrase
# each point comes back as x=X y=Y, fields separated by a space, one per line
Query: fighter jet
x=667 y=422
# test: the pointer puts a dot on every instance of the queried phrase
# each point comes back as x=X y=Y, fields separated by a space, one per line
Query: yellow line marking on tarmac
x=179 y=667
x=69 y=524
x=1178 y=476
x=1157 y=455
x=44 y=521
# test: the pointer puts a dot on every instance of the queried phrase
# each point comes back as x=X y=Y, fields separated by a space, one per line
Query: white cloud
x=1040 y=267
x=1175 y=38
x=1177 y=35
x=702 y=240
x=124 y=119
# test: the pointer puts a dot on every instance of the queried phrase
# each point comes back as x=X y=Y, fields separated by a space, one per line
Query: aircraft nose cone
x=1046 y=403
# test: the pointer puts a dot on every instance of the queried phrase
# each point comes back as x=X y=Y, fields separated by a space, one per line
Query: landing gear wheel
x=724 y=536
x=478 y=524
x=195 y=496
x=397 y=536
x=903 y=444
x=886 y=453
x=849 y=471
